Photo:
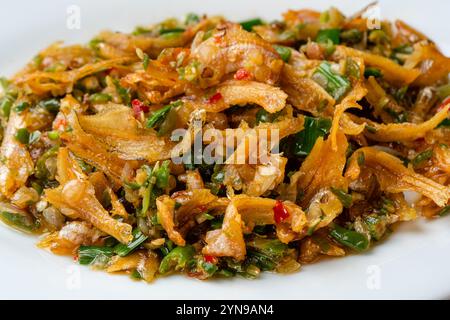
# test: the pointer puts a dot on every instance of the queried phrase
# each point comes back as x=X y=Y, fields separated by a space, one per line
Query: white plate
x=414 y=262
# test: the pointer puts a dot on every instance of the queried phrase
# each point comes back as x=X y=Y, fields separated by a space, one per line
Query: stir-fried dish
x=356 y=139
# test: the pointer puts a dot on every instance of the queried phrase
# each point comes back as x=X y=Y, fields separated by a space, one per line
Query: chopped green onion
x=249 y=24
x=328 y=34
x=377 y=36
x=404 y=49
x=262 y=116
x=284 y=52
x=37 y=186
x=140 y=30
x=352 y=68
x=270 y=247
x=123 y=93
x=444 y=124
x=133 y=185
x=22 y=135
x=136 y=275
x=7 y=102
x=125 y=249
x=443 y=91
x=145 y=61
x=160 y=114
x=89 y=254
x=162 y=175
x=444 y=212
x=191 y=18
x=336 y=85
x=422 y=157
x=349 y=238
x=177 y=259
x=305 y=139
x=373 y=72
x=172 y=30
x=19 y=221
x=361 y=159
x=398 y=117
x=218 y=177
x=93 y=44
x=51 y=105
x=169 y=123
x=21 y=107
x=147 y=194
x=209 y=268
x=53 y=135
x=34 y=136
x=41 y=171
x=351 y=36
x=217 y=223
x=100 y=98
x=376 y=225
x=171 y=35
x=208 y=34
x=4 y=83
x=344 y=197
x=371 y=129
x=207 y=216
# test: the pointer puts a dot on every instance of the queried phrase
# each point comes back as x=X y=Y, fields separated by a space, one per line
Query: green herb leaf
x=352 y=239
x=125 y=249
x=376 y=225
x=177 y=259
x=351 y=36
x=305 y=139
x=371 y=129
x=34 y=136
x=352 y=68
x=41 y=172
x=191 y=18
x=444 y=124
x=5 y=105
x=140 y=30
x=336 y=85
x=51 y=105
x=284 y=52
x=89 y=254
x=21 y=107
x=443 y=91
x=98 y=98
x=361 y=159
x=328 y=34
x=123 y=93
x=249 y=24
x=145 y=61
x=344 y=197
x=22 y=135
x=444 y=212
x=373 y=72
x=19 y=221
x=422 y=157
x=262 y=116
x=162 y=175
x=171 y=30
x=53 y=135
x=160 y=114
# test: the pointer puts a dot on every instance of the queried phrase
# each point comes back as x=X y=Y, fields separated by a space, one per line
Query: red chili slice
x=215 y=98
x=279 y=212
x=243 y=74
x=443 y=104
x=138 y=107
x=209 y=258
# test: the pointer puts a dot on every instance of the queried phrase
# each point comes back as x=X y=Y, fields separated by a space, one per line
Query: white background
x=414 y=262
